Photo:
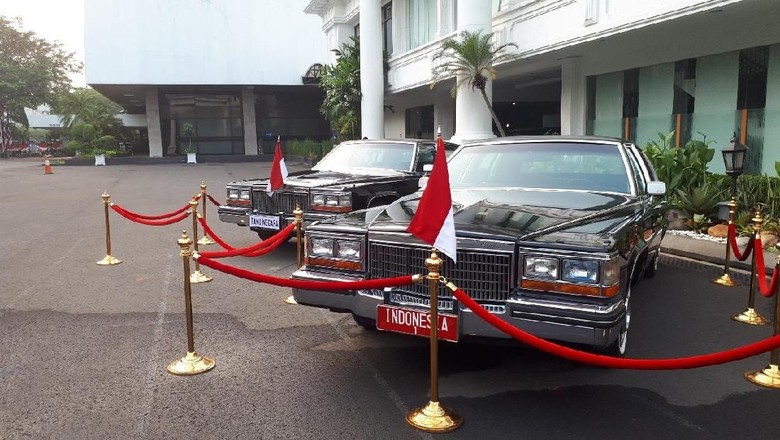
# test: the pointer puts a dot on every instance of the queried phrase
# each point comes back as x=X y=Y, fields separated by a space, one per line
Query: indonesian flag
x=278 y=169
x=433 y=222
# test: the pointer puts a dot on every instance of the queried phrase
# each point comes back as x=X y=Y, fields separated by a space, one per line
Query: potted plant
x=100 y=156
x=187 y=130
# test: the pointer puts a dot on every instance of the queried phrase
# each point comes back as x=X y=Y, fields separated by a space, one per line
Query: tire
x=366 y=323
x=618 y=347
x=652 y=268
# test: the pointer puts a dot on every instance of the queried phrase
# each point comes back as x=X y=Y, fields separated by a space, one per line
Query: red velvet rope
x=766 y=291
x=213 y=200
x=254 y=250
x=133 y=218
x=720 y=357
x=207 y=230
x=333 y=286
x=735 y=248
x=157 y=217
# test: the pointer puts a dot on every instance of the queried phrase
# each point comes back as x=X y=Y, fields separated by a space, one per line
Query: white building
x=626 y=68
x=232 y=68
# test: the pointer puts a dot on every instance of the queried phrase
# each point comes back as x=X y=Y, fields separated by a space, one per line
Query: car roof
x=556 y=138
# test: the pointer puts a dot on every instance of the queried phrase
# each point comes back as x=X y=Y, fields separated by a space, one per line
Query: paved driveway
x=83 y=348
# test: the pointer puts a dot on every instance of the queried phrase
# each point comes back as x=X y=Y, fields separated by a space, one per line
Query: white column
x=153 y=123
x=249 y=122
x=472 y=117
x=573 y=97
x=443 y=17
x=372 y=83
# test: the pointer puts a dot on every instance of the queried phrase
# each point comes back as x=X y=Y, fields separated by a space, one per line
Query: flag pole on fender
x=278 y=169
x=433 y=223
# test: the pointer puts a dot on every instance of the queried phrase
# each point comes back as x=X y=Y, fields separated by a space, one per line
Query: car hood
x=579 y=217
x=334 y=179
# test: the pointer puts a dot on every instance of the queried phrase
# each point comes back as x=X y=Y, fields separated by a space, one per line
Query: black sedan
x=551 y=234
x=354 y=175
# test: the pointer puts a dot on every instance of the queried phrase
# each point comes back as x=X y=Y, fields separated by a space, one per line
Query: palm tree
x=470 y=58
x=341 y=85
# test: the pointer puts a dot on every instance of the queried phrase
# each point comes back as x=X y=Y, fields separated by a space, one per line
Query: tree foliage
x=32 y=70
x=341 y=83
x=89 y=119
x=470 y=59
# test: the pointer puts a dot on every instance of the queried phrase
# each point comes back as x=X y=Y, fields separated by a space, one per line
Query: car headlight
x=610 y=272
x=321 y=247
x=244 y=194
x=580 y=271
x=232 y=193
x=332 y=202
x=335 y=252
x=348 y=249
x=541 y=267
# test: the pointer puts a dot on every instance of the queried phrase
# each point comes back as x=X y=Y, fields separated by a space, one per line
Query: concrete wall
x=239 y=42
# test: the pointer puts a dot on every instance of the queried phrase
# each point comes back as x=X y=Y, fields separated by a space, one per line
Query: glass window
x=753 y=68
x=387 y=28
x=351 y=155
x=419 y=122
x=590 y=167
x=421 y=16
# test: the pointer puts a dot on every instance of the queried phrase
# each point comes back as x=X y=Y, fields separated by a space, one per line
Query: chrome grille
x=483 y=275
x=280 y=202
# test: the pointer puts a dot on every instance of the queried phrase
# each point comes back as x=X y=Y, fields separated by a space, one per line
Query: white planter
x=100 y=159
x=191 y=158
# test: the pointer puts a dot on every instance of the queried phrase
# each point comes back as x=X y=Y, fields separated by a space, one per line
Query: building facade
x=705 y=69
x=238 y=70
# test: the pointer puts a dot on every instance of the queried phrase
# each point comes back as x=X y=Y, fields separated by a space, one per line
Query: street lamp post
x=734 y=160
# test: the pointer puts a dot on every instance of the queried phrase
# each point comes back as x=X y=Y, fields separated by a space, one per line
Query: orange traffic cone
x=47 y=166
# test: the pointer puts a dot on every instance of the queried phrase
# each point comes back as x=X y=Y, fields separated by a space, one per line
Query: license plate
x=265 y=222
x=415 y=322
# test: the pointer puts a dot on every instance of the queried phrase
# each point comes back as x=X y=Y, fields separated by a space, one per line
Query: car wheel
x=652 y=268
x=366 y=323
x=618 y=348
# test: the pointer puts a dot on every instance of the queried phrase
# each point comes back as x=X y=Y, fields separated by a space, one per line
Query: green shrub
x=681 y=168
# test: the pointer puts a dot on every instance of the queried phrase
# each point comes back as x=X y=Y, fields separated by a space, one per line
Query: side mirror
x=656 y=188
x=427 y=168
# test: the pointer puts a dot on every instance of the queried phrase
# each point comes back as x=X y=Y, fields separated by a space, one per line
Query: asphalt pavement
x=83 y=348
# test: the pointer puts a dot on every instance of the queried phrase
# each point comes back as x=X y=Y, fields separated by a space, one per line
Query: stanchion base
x=199 y=277
x=434 y=418
x=291 y=300
x=191 y=364
x=750 y=316
x=205 y=241
x=108 y=260
x=768 y=377
x=725 y=280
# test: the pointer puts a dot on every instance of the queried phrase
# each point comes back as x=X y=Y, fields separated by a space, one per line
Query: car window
x=639 y=174
x=346 y=156
x=579 y=166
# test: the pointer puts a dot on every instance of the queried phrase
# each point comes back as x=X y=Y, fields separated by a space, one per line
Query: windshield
x=577 y=166
x=345 y=157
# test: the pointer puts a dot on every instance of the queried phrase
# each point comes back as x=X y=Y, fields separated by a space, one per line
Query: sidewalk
x=709 y=251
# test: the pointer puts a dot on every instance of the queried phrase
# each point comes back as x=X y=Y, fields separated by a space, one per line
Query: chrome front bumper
x=234 y=214
x=594 y=326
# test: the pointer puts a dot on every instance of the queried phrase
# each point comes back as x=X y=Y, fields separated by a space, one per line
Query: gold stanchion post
x=192 y=363
x=770 y=376
x=108 y=260
x=298 y=213
x=725 y=279
x=205 y=240
x=750 y=316
x=197 y=276
x=434 y=417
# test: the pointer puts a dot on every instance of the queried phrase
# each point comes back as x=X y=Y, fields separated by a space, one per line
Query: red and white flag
x=278 y=169
x=433 y=222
